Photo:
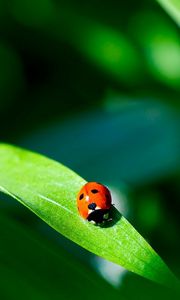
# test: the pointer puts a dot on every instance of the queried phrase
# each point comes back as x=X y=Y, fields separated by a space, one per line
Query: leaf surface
x=172 y=7
x=49 y=189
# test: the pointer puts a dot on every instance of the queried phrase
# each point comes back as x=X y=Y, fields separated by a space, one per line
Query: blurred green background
x=96 y=86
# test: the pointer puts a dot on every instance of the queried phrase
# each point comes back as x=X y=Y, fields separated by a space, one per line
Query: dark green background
x=96 y=86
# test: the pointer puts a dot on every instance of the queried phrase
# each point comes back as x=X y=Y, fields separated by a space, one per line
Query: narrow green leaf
x=173 y=8
x=49 y=189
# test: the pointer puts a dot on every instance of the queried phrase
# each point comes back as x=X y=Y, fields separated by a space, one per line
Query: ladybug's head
x=98 y=215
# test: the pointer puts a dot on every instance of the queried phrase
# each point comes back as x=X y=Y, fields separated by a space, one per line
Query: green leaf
x=173 y=8
x=49 y=189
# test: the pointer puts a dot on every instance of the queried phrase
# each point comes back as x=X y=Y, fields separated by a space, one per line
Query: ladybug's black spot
x=94 y=191
x=81 y=196
x=92 y=206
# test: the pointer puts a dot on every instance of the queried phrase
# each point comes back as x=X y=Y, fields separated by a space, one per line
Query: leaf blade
x=172 y=7
x=49 y=189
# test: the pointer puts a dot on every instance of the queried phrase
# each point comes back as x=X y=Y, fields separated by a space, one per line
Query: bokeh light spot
x=112 y=51
x=161 y=47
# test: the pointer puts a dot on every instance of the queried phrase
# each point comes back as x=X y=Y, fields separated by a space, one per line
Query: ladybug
x=94 y=202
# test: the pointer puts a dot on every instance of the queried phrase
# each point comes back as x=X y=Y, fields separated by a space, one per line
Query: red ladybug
x=94 y=202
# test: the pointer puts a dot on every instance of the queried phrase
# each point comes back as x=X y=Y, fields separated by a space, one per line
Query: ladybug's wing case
x=82 y=203
x=101 y=201
x=100 y=195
